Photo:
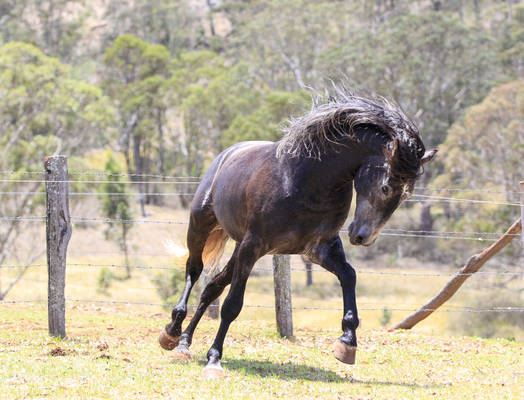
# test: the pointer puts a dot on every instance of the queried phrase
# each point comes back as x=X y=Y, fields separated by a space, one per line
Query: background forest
x=160 y=87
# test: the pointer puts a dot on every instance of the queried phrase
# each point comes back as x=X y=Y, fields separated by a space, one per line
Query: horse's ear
x=428 y=156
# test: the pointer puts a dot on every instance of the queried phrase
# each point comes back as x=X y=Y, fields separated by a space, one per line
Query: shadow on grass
x=290 y=371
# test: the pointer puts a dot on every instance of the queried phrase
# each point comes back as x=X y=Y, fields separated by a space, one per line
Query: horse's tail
x=214 y=247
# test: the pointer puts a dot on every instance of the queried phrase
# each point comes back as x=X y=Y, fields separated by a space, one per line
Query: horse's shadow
x=290 y=371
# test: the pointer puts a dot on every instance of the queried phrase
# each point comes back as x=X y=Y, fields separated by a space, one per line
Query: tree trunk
x=426 y=219
x=139 y=170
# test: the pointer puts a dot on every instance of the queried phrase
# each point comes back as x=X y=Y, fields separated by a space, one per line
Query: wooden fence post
x=283 y=309
x=58 y=233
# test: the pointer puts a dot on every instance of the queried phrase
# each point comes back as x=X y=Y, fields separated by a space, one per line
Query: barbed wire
x=428 y=189
x=97 y=181
x=272 y=307
x=452 y=199
x=24 y=218
x=195 y=178
x=128 y=221
x=105 y=194
x=178 y=267
x=440 y=235
x=99 y=173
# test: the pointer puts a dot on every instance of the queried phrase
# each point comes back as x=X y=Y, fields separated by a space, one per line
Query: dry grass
x=111 y=352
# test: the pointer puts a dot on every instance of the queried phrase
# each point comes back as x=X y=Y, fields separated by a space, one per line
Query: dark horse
x=292 y=197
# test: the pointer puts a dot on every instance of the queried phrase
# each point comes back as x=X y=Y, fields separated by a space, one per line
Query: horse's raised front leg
x=249 y=252
x=331 y=256
x=212 y=290
x=200 y=225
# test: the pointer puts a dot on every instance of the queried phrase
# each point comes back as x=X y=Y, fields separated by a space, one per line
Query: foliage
x=115 y=206
x=266 y=121
x=136 y=75
x=386 y=316
x=174 y=25
x=56 y=26
x=105 y=278
x=432 y=64
x=169 y=285
x=41 y=98
x=484 y=150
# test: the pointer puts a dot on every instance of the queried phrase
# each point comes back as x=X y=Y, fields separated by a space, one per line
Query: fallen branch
x=474 y=263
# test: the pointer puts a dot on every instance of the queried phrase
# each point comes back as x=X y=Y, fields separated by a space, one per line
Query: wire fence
x=272 y=307
x=143 y=179
x=428 y=234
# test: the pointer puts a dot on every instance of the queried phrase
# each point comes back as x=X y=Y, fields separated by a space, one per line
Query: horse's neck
x=335 y=169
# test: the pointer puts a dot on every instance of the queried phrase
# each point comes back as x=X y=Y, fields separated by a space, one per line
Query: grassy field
x=111 y=352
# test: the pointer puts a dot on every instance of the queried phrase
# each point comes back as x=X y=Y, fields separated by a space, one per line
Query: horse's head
x=379 y=192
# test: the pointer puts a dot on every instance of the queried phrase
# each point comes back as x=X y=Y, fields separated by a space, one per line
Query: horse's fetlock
x=213 y=355
x=350 y=321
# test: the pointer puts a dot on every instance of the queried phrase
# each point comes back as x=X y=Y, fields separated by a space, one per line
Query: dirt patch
x=60 y=352
x=102 y=347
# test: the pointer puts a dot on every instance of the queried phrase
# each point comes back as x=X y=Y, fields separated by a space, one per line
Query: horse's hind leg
x=213 y=289
x=202 y=222
x=249 y=251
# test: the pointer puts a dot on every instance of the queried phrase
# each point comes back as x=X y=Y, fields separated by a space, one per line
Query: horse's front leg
x=330 y=255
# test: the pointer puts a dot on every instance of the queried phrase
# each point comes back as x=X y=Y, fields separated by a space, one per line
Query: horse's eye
x=385 y=189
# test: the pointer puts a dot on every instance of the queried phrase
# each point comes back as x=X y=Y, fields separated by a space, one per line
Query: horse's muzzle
x=359 y=236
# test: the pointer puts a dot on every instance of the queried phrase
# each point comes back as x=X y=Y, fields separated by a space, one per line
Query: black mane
x=327 y=124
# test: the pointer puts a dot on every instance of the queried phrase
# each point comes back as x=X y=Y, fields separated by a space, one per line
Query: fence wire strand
x=172 y=267
x=272 y=307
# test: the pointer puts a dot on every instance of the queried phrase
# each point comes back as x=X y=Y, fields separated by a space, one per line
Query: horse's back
x=223 y=188
x=220 y=171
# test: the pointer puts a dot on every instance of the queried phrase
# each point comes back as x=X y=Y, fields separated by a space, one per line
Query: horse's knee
x=347 y=276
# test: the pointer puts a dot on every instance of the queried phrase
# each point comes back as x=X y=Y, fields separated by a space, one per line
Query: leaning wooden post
x=58 y=233
x=283 y=309
x=474 y=263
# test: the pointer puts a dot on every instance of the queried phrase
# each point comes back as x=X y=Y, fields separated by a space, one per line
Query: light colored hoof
x=213 y=372
x=344 y=353
x=181 y=355
x=166 y=341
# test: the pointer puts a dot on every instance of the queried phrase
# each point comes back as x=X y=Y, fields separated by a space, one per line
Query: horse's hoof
x=213 y=372
x=181 y=355
x=344 y=353
x=166 y=341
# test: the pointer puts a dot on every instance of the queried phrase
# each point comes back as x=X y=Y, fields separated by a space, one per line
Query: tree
x=284 y=41
x=266 y=121
x=432 y=64
x=208 y=95
x=115 y=206
x=484 y=150
x=55 y=26
x=174 y=25
x=44 y=110
x=136 y=73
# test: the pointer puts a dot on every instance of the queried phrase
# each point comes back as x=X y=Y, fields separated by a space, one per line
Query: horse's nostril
x=359 y=239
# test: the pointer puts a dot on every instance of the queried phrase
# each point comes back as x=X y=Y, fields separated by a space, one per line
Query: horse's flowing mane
x=329 y=123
